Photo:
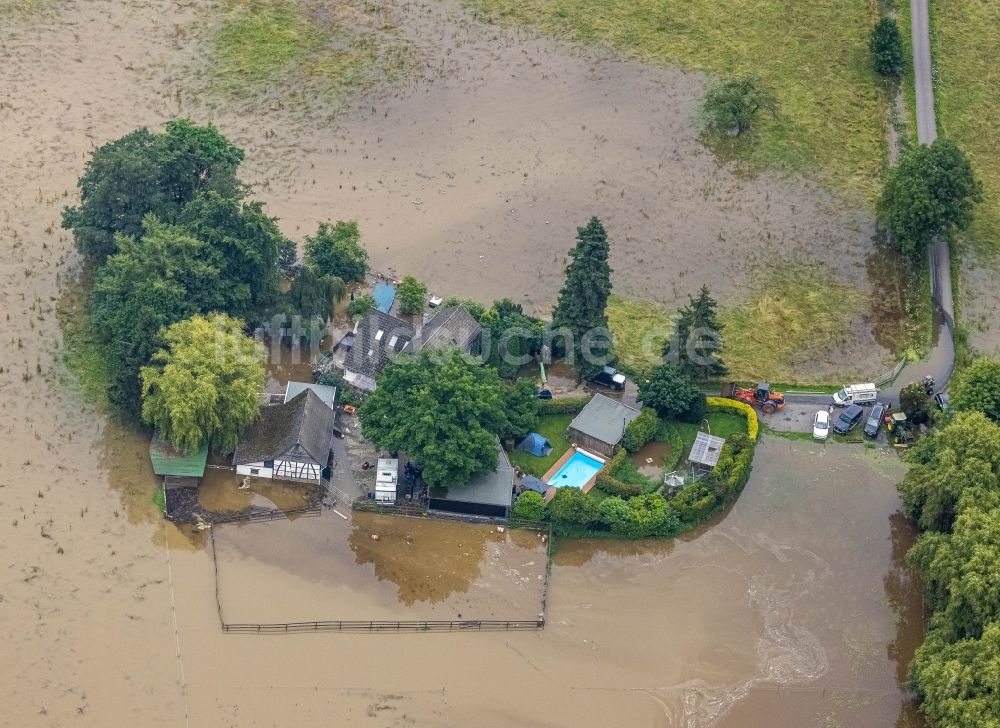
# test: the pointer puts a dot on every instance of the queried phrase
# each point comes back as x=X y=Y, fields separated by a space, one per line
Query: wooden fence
x=890 y=376
x=467 y=625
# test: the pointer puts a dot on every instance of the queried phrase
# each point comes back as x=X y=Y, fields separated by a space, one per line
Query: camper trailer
x=386 y=477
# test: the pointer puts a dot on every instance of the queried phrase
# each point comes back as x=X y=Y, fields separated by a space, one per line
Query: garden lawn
x=966 y=49
x=814 y=56
x=552 y=427
x=681 y=435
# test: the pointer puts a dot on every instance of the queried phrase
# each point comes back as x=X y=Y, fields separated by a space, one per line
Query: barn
x=289 y=441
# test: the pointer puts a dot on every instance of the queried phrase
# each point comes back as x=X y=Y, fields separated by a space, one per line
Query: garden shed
x=706 y=451
x=600 y=426
x=177 y=468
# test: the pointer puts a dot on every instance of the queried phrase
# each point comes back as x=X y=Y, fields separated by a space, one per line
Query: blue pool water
x=576 y=471
x=385 y=294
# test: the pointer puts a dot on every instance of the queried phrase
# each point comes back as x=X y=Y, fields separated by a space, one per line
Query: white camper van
x=861 y=394
x=385 y=480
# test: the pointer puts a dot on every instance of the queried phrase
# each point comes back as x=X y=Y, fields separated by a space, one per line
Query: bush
x=612 y=486
x=671 y=394
x=886 y=47
x=641 y=430
x=572 y=510
x=336 y=250
x=361 y=305
x=530 y=506
x=412 y=296
x=695 y=503
x=721 y=403
x=565 y=406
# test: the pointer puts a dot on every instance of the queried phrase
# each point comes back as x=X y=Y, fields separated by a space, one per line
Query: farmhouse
x=600 y=426
x=488 y=494
x=380 y=336
x=289 y=441
x=178 y=469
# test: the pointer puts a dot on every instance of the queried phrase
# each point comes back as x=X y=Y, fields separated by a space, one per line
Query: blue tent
x=536 y=445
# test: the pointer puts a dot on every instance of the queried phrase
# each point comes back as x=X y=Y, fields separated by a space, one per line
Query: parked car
x=856 y=394
x=874 y=421
x=848 y=419
x=610 y=378
x=821 y=425
x=942 y=400
x=544 y=393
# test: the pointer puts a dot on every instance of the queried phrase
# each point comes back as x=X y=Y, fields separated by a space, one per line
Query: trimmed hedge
x=565 y=406
x=641 y=430
x=720 y=403
x=607 y=481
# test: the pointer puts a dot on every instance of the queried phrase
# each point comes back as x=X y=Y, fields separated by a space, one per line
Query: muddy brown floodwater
x=794 y=609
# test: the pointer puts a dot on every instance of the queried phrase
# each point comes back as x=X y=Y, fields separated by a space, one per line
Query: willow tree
x=205 y=385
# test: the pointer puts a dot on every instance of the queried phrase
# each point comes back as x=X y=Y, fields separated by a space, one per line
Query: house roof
x=305 y=420
x=455 y=326
x=706 y=449
x=325 y=392
x=494 y=488
x=167 y=460
x=378 y=338
x=604 y=419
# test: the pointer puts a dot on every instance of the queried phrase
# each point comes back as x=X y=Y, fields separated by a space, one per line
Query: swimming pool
x=576 y=472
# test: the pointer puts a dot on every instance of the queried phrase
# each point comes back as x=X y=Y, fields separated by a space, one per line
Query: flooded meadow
x=794 y=608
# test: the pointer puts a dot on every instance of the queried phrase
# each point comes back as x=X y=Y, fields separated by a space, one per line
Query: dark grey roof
x=706 y=449
x=604 y=419
x=372 y=350
x=453 y=326
x=494 y=488
x=304 y=421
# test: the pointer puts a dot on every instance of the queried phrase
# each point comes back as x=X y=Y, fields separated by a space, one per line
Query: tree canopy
x=886 y=46
x=205 y=385
x=931 y=190
x=581 y=308
x=529 y=506
x=143 y=173
x=336 y=250
x=412 y=296
x=445 y=413
x=513 y=336
x=313 y=294
x=158 y=279
x=731 y=106
x=978 y=389
x=671 y=394
x=697 y=338
x=954 y=495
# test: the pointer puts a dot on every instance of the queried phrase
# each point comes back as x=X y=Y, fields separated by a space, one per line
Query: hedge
x=607 y=481
x=565 y=406
x=641 y=430
x=748 y=412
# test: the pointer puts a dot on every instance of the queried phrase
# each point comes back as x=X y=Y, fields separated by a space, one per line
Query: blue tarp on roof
x=536 y=445
x=385 y=294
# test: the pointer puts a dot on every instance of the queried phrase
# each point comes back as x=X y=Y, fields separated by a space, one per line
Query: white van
x=856 y=394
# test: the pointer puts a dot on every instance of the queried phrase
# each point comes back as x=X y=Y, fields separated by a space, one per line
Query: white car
x=821 y=425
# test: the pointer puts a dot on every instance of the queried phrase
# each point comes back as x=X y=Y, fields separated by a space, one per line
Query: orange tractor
x=768 y=401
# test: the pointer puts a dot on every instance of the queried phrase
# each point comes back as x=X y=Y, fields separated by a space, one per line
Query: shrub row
x=641 y=430
x=697 y=502
x=611 y=485
x=721 y=404
x=565 y=406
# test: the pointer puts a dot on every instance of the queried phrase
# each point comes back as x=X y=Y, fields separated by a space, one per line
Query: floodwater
x=795 y=609
x=650 y=458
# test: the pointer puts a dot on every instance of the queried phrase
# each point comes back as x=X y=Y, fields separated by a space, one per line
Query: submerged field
x=813 y=55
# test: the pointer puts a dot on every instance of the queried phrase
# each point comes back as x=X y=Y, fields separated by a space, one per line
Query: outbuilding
x=177 y=468
x=489 y=494
x=289 y=441
x=706 y=450
x=600 y=426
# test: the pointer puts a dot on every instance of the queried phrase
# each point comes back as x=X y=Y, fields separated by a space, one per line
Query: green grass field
x=640 y=329
x=966 y=48
x=552 y=427
x=792 y=315
x=83 y=354
x=813 y=55
x=302 y=47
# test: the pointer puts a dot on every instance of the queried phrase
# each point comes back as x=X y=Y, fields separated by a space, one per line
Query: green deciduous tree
x=151 y=282
x=313 y=294
x=671 y=394
x=246 y=244
x=474 y=307
x=584 y=298
x=361 y=305
x=571 y=509
x=731 y=106
x=697 y=338
x=205 y=385
x=915 y=403
x=445 y=413
x=978 y=389
x=886 y=46
x=931 y=190
x=336 y=250
x=530 y=506
x=513 y=336
x=412 y=296
x=143 y=173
